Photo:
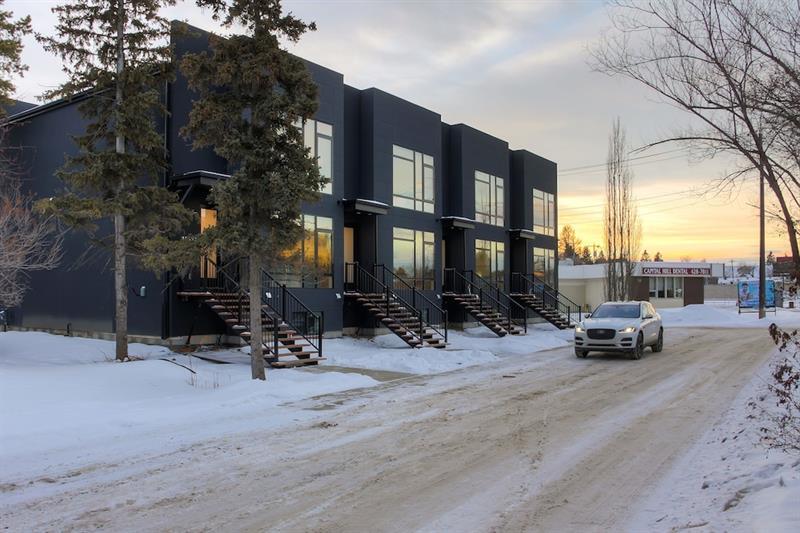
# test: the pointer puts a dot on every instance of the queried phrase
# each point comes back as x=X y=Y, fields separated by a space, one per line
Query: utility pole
x=762 y=261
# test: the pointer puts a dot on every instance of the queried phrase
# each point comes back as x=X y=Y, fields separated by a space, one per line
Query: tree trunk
x=256 y=338
x=762 y=262
x=120 y=244
x=120 y=288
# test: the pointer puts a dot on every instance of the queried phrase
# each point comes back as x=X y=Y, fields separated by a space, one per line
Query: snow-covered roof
x=581 y=271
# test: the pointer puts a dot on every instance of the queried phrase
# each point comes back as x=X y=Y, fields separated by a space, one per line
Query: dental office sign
x=676 y=271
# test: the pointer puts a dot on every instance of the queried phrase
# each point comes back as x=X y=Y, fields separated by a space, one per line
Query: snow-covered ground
x=65 y=401
x=728 y=481
x=725 y=315
x=471 y=347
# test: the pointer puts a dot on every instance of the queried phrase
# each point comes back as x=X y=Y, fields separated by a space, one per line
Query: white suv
x=620 y=327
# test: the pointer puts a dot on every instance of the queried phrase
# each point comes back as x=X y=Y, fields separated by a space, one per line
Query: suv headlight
x=629 y=329
x=579 y=329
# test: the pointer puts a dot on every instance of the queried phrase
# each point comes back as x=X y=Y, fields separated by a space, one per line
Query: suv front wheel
x=659 y=345
x=636 y=353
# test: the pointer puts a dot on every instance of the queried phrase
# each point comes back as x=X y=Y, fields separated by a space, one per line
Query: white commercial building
x=663 y=283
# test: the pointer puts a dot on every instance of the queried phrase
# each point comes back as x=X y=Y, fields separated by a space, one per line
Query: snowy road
x=528 y=444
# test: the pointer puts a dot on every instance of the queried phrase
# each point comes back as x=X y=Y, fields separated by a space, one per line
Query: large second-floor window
x=412 y=180
x=310 y=263
x=413 y=253
x=544 y=212
x=488 y=198
x=318 y=138
x=490 y=261
x=544 y=260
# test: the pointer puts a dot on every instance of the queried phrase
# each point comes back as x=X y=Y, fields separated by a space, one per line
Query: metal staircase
x=397 y=305
x=291 y=332
x=546 y=301
x=485 y=302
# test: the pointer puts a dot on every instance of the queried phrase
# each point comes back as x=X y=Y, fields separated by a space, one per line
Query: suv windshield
x=617 y=311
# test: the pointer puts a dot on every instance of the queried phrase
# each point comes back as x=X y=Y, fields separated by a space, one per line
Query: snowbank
x=725 y=316
x=63 y=401
x=472 y=347
x=33 y=348
x=728 y=481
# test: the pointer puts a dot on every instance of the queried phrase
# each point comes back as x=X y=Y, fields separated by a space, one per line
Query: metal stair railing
x=488 y=295
x=360 y=280
x=434 y=316
x=282 y=301
x=517 y=312
x=550 y=297
x=224 y=279
x=278 y=304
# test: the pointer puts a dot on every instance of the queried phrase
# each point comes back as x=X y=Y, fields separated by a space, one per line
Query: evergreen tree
x=11 y=33
x=586 y=256
x=116 y=53
x=252 y=94
x=645 y=256
x=658 y=257
x=601 y=258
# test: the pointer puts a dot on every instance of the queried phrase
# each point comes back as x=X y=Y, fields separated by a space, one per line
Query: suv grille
x=601 y=334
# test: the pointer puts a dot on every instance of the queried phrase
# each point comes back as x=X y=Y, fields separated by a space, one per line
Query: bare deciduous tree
x=732 y=65
x=29 y=241
x=621 y=224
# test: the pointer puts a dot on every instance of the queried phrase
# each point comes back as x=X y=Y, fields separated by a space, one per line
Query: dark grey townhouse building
x=424 y=226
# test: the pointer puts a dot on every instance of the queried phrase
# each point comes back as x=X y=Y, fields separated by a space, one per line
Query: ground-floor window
x=310 y=263
x=490 y=262
x=544 y=260
x=667 y=287
x=413 y=253
x=208 y=263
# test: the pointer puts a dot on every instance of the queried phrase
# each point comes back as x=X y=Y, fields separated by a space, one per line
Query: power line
x=585 y=217
x=603 y=165
x=639 y=201
x=632 y=165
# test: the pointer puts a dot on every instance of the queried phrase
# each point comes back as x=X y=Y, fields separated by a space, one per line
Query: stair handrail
x=500 y=295
x=416 y=295
x=522 y=283
x=288 y=300
x=356 y=271
x=482 y=295
x=229 y=283
x=289 y=304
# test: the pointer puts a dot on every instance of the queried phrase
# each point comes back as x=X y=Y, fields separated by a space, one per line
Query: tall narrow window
x=544 y=212
x=318 y=138
x=413 y=253
x=413 y=181
x=489 y=194
x=310 y=263
x=490 y=261
x=208 y=219
x=544 y=260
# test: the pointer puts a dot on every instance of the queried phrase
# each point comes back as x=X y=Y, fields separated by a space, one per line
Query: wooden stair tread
x=299 y=362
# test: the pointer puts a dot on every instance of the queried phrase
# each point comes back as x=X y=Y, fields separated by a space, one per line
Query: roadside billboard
x=748 y=294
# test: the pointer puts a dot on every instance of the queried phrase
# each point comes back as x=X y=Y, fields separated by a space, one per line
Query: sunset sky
x=518 y=70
